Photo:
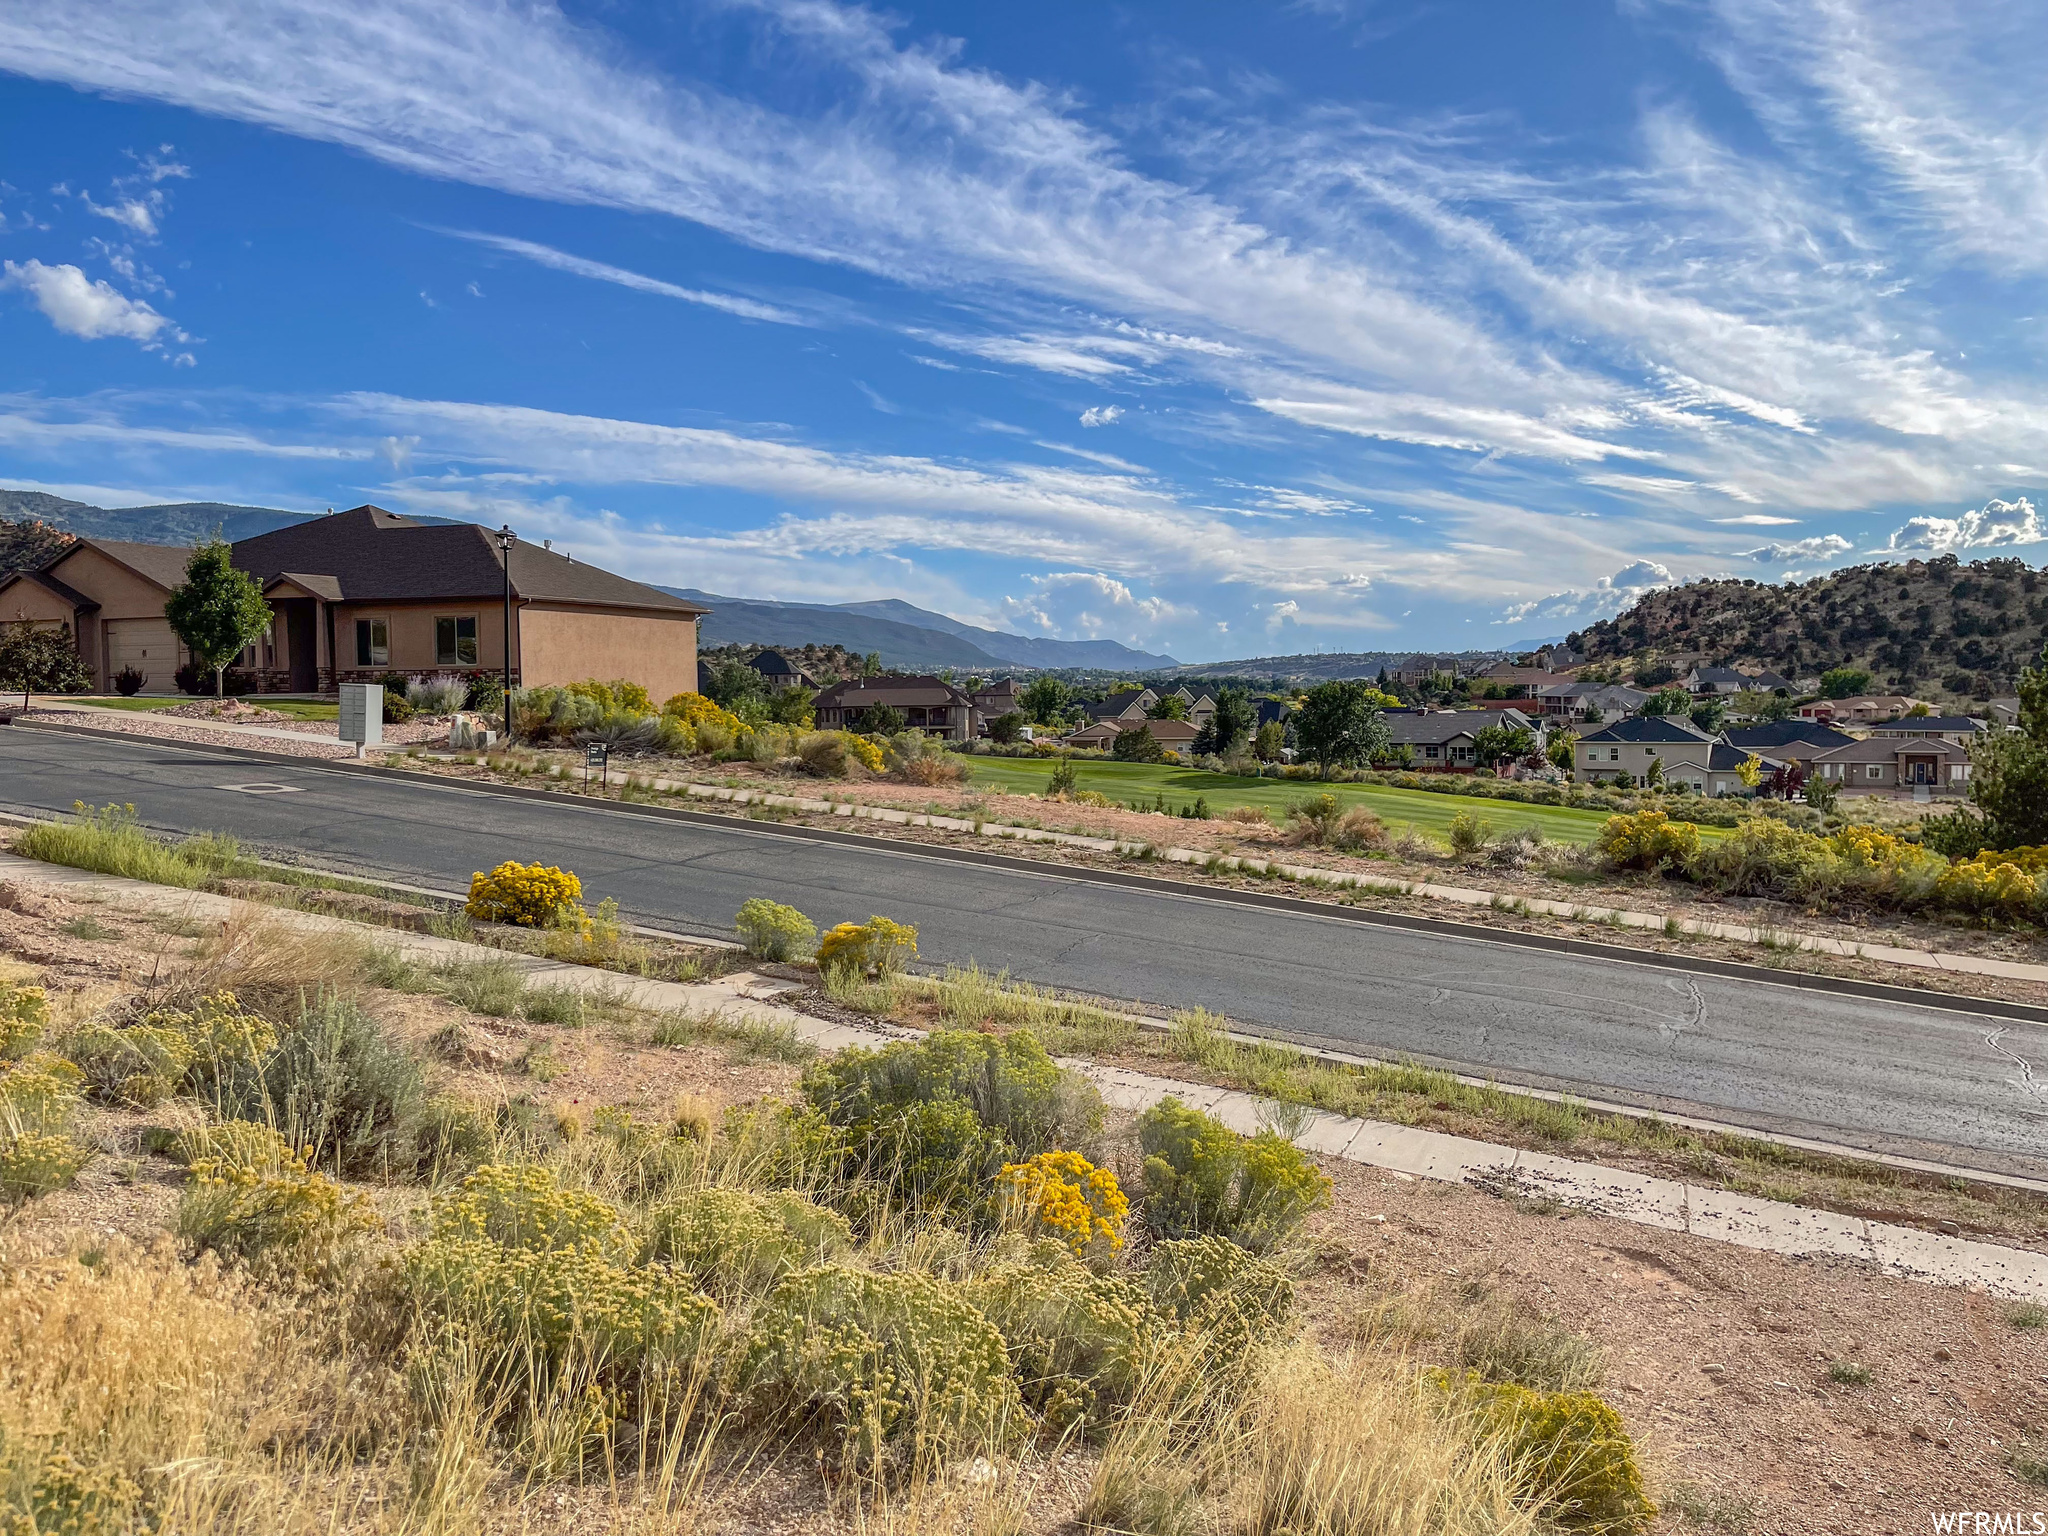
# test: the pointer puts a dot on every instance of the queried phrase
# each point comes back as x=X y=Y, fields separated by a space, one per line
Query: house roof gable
x=1650 y=729
x=379 y=556
x=161 y=564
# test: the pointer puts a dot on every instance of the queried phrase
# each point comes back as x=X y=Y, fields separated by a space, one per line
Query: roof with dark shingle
x=1928 y=725
x=1436 y=729
x=49 y=583
x=379 y=556
x=163 y=564
x=1786 y=733
x=1650 y=729
x=896 y=692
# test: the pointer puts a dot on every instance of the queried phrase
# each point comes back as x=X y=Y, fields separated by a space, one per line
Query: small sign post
x=596 y=755
x=362 y=715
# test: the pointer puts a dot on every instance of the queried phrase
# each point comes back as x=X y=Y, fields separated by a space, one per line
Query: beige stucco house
x=111 y=594
x=362 y=594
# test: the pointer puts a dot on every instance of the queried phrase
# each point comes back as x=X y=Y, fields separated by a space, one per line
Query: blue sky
x=1220 y=329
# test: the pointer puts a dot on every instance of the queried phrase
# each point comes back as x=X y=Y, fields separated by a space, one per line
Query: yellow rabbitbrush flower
x=1062 y=1195
x=527 y=895
x=877 y=946
x=1990 y=888
x=24 y=1012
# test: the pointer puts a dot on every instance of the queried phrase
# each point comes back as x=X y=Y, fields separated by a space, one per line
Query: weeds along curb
x=1044 y=869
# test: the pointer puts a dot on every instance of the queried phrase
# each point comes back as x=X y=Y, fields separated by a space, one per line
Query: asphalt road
x=1882 y=1076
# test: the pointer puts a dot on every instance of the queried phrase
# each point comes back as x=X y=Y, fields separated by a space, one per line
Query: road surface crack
x=1696 y=1016
x=2026 y=1081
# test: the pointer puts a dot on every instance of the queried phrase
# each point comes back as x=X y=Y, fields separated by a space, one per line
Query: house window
x=373 y=642
x=1614 y=754
x=1432 y=751
x=455 y=642
x=1873 y=771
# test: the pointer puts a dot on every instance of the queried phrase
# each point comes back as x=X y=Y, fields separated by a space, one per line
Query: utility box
x=362 y=714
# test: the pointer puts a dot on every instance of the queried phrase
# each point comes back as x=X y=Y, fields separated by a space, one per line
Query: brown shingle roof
x=45 y=580
x=896 y=692
x=379 y=556
x=163 y=564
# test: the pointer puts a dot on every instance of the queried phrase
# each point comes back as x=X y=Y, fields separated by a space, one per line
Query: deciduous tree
x=218 y=611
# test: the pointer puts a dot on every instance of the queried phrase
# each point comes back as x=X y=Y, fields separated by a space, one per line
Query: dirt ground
x=1718 y=1358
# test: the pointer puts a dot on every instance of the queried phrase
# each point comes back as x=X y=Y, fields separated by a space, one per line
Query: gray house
x=1448 y=739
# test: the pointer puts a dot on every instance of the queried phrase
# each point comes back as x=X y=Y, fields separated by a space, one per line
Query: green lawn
x=1418 y=808
x=115 y=701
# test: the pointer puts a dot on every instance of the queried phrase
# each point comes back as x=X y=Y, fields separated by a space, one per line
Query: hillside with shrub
x=1934 y=629
x=29 y=544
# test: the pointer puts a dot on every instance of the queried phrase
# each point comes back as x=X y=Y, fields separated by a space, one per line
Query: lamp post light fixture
x=506 y=539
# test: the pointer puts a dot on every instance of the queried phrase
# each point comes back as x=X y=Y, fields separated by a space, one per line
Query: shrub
x=772 y=931
x=1470 y=833
x=911 y=757
x=38 y=1098
x=337 y=1083
x=1063 y=1196
x=1215 y=1287
x=1062 y=781
x=441 y=695
x=24 y=1014
x=1324 y=819
x=825 y=754
x=141 y=1065
x=196 y=680
x=528 y=895
x=696 y=711
x=614 y=697
x=938 y=1119
x=1569 y=1451
x=1078 y=1341
x=519 y=1205
x=43 y=659
x=536 y=1314
x=1201 y=1177
x=232 y=1144
x=486 y=693
x=226 y=1043
x=877 y=947
x=284 y=1218
x=33 y=1165
x=128 y=682
x=738 y=1243
x=1648 y=840
x=886 y=1361
x=1991 y=885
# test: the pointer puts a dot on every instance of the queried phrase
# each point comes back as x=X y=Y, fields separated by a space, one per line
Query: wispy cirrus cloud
x=603 y=272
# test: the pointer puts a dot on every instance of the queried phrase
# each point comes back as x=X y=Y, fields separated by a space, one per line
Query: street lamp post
x=506 y=539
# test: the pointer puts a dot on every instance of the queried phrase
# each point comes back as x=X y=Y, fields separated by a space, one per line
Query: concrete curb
x=1329 y=911
x=1763 y=1225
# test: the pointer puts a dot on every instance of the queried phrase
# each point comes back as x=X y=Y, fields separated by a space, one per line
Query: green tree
x=1171 y=707
x=1496 y=744
x=871 y=664
x=2009 y=770
x=35 y=659
x=1270 y=742
x=1136 y=745
x=1339 y=722
x=881 y=720
x=218 y=611
x=1709 y=715
x=1560 y=750
x=1234 y=720
x=1667 y=701
x=1045 y=700
x=1653 y=777
x=1006 y=727
x=1844 y=682
x=728 y=682
x=792 y=706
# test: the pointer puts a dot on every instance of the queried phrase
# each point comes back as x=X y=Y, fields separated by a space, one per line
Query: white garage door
x=149 y=647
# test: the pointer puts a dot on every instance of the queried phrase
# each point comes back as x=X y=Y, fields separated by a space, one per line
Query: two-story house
x=927 y=704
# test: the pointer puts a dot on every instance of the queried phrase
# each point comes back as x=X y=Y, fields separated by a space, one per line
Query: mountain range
x=909 y=638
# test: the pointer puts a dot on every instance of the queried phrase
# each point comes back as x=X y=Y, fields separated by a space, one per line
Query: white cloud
x=133 y=213
x=1754 y=520
x=1994 y=525
x=1101 y=415
x=86 y=307
x=1087 y=605
x=1824 y=547
x=562 y=261
x=1605 y=598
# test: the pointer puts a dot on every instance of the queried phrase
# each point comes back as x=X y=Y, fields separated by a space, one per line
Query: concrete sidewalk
x=1748 y=1222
